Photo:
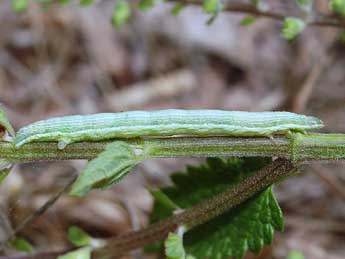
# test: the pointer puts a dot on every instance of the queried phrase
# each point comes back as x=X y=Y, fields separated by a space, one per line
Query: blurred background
x=70 y=60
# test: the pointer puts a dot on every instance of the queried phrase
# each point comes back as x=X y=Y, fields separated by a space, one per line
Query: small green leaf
x=295 y=254
x=248 y=20
x=22 y=245
x=212 y=6
x=337 y=6
x=146 y=4
x=20 y=5
x=121 y=13
x=305 y=5
x=174 y=247
x=5 y=125
x=78 y=237
x=176 y=10
x=86 y=2
x=109 y=167
x=292 y=27
x=81 y=253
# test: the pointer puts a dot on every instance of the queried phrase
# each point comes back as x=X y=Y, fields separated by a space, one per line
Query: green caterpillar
x=103 y=126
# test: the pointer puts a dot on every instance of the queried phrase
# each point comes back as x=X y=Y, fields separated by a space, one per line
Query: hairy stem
x=298 y=147
x=199 y=213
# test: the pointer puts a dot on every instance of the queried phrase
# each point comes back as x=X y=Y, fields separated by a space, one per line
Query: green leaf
x=109 y=167
x=146 y=4
x=337 y=6
x=212 y=6
x=86 y=2
x=81 y=253
x=176 y=10
x=249 y=226
x=174 y=247
x=121 y=13
x=305 y=5
x=248 y=20
x=292 y=27
x=78 y=237
x=5 y=125
x=295 y=254
x=20 y=5
x=22 y=245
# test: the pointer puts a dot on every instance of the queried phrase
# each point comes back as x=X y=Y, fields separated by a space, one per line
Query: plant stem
x=199 y=213
x=297 y=147
x=316 y=19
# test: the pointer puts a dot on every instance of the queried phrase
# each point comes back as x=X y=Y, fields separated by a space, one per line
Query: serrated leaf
x=78 y=237
x=248 y=20
x=174 y=247
x=86 y=2
x=295 y=254
x=5 y=124
x=121 y=13
x=22 y=245
x=20 y=5
x=305 y=5
x=109 y=167
x=176 y=10
x=292 y=27
x=81 y=253
x=337 y=6
x=249 y=226
x=146 y=4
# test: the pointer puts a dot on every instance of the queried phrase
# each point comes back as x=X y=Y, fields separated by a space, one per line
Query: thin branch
x=28 y=220
x=331 y=180
x=303 y=95
x=316 y=18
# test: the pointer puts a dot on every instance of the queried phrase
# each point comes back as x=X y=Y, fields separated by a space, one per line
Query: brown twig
x=304 y=93
x=28 y=220
x=316 y=18
x=330 y=179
